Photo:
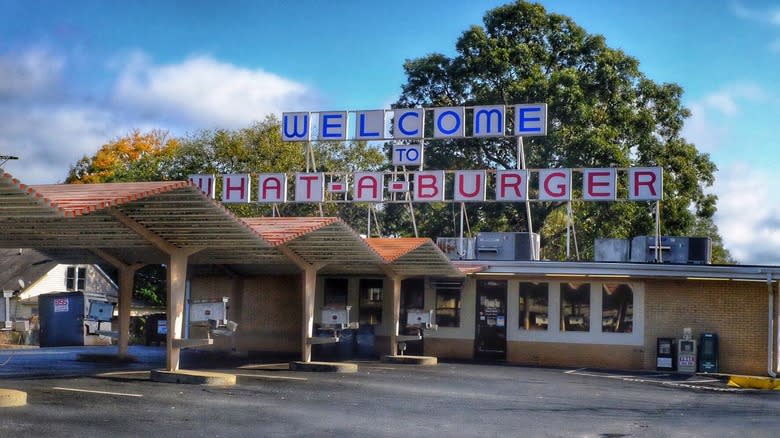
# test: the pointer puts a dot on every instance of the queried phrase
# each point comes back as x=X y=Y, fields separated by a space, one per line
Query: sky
x=75 y=75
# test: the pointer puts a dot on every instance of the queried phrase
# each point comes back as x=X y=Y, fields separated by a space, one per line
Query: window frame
x=594 y=336
x=457 y=309
x=76 y=278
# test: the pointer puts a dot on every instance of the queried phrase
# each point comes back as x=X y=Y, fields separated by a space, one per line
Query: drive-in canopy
x=174 y=223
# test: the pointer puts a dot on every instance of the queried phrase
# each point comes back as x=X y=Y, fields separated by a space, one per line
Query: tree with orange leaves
x=118 y=160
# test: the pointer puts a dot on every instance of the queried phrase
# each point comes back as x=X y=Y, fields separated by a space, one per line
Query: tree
x=603 y=112
x=126 y=158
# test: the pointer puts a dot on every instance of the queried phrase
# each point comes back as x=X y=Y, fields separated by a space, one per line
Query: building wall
x=575 y=355
x=735 y=310
x=270 y=320
x=267 y=310
x=446 y=348
x=53 y=281
x=97 y=282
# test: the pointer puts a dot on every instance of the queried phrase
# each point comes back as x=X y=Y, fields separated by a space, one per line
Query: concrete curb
x=411 y=360
x=753 y=382
x=193 y=377
x=10 y=398
x=324 y=367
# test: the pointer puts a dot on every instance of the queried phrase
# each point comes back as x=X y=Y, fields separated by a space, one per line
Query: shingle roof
x=392 y=248
x=27 y=265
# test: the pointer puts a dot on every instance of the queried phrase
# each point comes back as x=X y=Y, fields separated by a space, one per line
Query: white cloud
x=707 y=126
x=50 y=126
x=48 y=139
x=769 y=15
x=33 y=72
x=774 y=46
x=774 y=17
x=204 y=91
x=748 y=215
x=701 y=130
x=722 y=102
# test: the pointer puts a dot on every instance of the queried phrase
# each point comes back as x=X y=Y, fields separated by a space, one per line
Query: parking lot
x=71 y=398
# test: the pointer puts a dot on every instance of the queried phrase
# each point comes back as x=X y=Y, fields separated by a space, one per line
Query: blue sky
x=74 y=75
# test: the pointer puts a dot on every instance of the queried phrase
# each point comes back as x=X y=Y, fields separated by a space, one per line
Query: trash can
x=708 y=353
x=156 y=328
x=365 y=341
x=666 y=354
x=346 y=344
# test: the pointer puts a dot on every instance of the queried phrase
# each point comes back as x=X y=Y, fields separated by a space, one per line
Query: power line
x=5 y=159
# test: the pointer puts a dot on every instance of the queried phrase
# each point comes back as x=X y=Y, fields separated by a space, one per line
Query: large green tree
x=603 y=112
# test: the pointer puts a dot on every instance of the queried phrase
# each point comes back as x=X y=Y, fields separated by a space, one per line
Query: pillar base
x=10 y=398
x=324 y=367
x=193 y=377
x=411 y=360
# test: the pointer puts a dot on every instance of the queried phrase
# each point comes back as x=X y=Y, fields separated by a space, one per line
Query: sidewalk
x=700 y=381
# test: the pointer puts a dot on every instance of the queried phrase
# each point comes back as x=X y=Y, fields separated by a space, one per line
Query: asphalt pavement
x=67 y=397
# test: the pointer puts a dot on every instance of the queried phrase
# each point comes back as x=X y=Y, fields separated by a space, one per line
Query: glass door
x=490 y=339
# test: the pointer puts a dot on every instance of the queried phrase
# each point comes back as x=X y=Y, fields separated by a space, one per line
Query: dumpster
x=61 y=319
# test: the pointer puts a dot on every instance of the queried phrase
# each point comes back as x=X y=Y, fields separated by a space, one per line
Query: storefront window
x=448 y=307
x=335 y=292
x=370 y=301
x=617 y=309
x=533 y=306
x=575 y=307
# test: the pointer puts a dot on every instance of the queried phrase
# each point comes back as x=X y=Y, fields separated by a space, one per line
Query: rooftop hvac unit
x=612 y=250
x=699 y=250
x=672 y=249
x=457 y=248
x=507 y=246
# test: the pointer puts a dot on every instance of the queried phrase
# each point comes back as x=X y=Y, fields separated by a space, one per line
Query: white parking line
x=265 y=365
x=96 y=392
x=690 y=384
x=121 y=373
x=265 y=376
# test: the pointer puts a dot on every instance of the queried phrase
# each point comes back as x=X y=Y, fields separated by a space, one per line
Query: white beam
x=126 y=283
x=177 y=278
x=309 y=287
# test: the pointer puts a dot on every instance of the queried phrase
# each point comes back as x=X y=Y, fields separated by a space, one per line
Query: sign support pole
x=461 y=254
x=568 y=230
x=658 y=253
x=521 y=164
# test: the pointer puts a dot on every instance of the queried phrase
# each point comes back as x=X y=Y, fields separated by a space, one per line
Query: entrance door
x=412 y=298
x=490 y=342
